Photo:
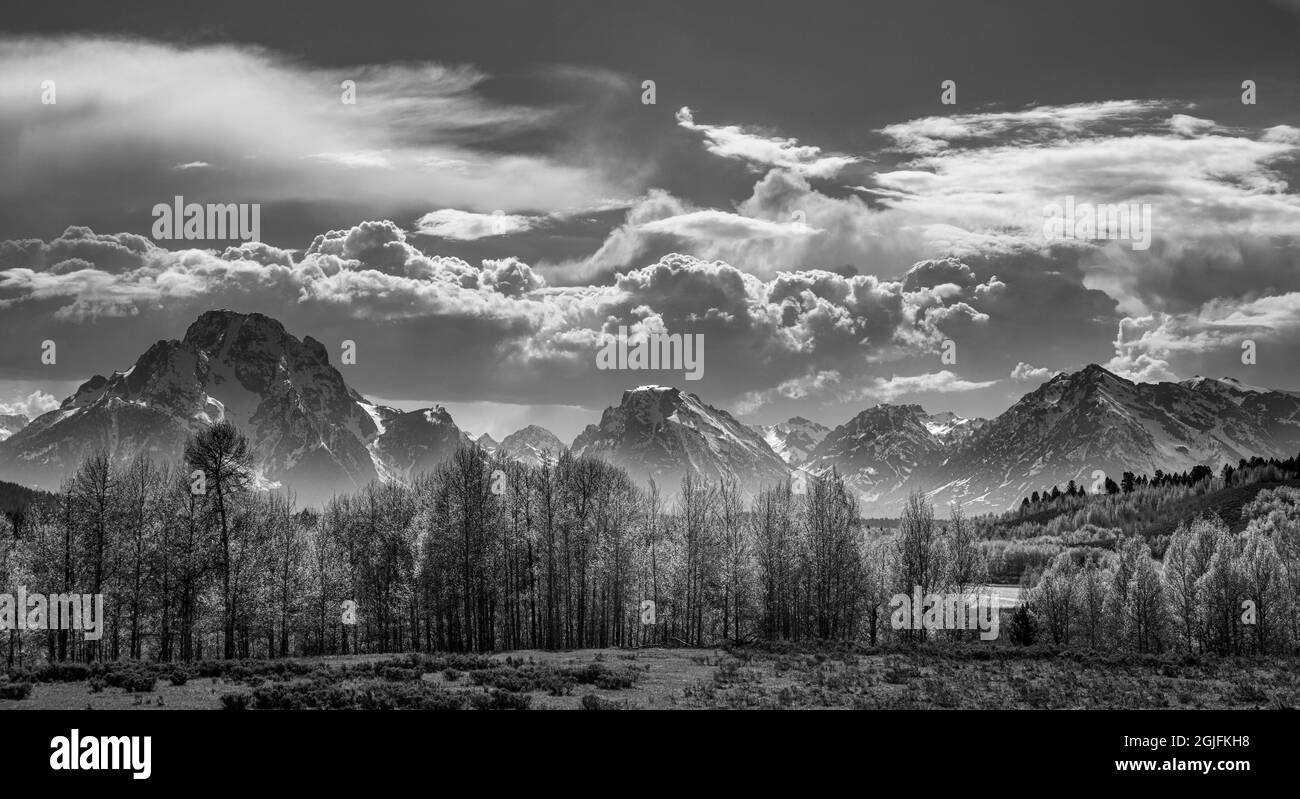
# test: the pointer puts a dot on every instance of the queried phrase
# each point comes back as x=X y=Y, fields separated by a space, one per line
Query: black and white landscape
x=317 y=436
x=433 y=334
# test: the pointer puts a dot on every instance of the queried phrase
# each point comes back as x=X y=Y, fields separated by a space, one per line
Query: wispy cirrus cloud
x=417 y=133
x=888 y=389
x=1027 y=126
x=712 y=225
x=765 y=151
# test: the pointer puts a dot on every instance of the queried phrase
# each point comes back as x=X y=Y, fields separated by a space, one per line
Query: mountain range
x=660 y=432
x=11 y=423
x=310 y=431
x=314 y=433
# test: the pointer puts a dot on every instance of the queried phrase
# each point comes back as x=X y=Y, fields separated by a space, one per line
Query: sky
x=501 y=198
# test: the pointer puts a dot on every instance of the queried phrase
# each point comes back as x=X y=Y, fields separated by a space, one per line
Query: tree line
x=1214 y=592
x=1246 y=471
x=198 y=559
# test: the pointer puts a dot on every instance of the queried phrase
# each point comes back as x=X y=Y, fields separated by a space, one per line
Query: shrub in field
x=15 y=690
x=1247 y=691
x=612 y=677
x=499 y=700
x=593 y=702
x=614 y=681
x=62 y=672
x=398 y=673
x=21 y=675
x=234 y=701
x=555 y=680
x=791 y=696
x=900 y=672
x=729 y=672
x=373 y=695
x=179 y=677
x=1024 y=630
x=137 y=681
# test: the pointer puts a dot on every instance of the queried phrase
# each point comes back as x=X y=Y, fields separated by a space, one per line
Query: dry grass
x=751 y=679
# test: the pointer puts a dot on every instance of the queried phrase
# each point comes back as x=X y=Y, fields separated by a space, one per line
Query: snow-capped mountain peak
x=794 y=439
x=309 y=430
x=662 y=432
x=533 y=445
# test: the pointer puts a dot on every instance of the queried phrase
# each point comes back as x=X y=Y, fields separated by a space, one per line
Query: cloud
x=732 y=141
x=499 y=326
x=450 y=223
x=943 y=382
x=816 y=384
x=713 y=225
x=804 y=291
x=1027 y=373
x=1185 y=125
x=1161 y=346
x=31 y=406
x=931 y=135
x=420 y=134
x=830 y=386
x=1198 y=186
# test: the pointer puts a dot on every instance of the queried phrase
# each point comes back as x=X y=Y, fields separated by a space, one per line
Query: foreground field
x=953 y=678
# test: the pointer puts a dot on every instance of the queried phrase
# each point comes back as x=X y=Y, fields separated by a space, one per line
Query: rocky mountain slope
x=661 y=432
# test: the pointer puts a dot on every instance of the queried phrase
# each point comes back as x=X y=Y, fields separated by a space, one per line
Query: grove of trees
x=201 y=559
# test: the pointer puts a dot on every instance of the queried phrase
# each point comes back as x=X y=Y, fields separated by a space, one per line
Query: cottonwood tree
x=1263 y=583
x=735 y=559
x=95 y=497
x=1054 y=598
x=1094 y=581
x=833 y=556
x=1221 y=588
x=920 y=561
x=1145 y=609
x=1186 y=561
x=776 y=545
x=222 y=454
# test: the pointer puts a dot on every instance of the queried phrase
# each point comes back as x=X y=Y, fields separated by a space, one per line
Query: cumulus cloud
x=1162 y=346
x=31 y=406
x=803 y=290
x=1186 y=125
x=1028 y=373
x=499 y=325
x=1223 y=210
